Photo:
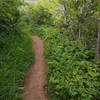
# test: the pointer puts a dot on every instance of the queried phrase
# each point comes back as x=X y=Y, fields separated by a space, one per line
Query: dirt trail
x=35 y=82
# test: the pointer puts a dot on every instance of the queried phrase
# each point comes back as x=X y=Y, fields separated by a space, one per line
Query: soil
x=35 y=81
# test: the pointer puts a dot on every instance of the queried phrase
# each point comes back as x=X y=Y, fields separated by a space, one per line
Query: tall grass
x=15 y=59
x=15 y=51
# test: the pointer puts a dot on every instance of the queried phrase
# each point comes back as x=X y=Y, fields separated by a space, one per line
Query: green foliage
x=44 y=31
x=15 y=50
x=9 y=15
x=14 y=62
x=38 y=15
x=81 y=19
x=71 y=73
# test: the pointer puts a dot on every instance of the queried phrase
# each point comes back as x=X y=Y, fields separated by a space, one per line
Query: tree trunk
x=65 y=9
x=98 y=46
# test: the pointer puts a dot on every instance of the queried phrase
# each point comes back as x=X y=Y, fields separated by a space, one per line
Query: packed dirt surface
x=35 y=81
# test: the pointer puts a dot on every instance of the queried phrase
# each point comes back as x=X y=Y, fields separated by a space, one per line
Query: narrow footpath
x=35 y=81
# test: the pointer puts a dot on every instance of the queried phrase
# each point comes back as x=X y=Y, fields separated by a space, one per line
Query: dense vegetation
x=69 y=30
x=71 y=33
x=72 y=74
x=15 y=50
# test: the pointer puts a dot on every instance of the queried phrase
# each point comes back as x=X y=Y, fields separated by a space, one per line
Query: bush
x=37 y=15
x=71 y=72
x=15 y=50
x=14 y=62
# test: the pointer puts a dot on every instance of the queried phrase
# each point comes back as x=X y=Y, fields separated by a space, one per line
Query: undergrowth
x=15 y=50
x=72 y=74
x=15 y=58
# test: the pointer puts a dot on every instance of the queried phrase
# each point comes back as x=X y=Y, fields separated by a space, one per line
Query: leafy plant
x=71 y=72
x=15 y=56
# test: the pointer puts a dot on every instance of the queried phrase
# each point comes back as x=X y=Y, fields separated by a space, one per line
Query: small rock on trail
x=35 y=81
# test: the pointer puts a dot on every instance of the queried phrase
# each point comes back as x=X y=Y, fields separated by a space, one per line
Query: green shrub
x=15 y=50
x=37 y=15
x=71 y=72
x=14 y=62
